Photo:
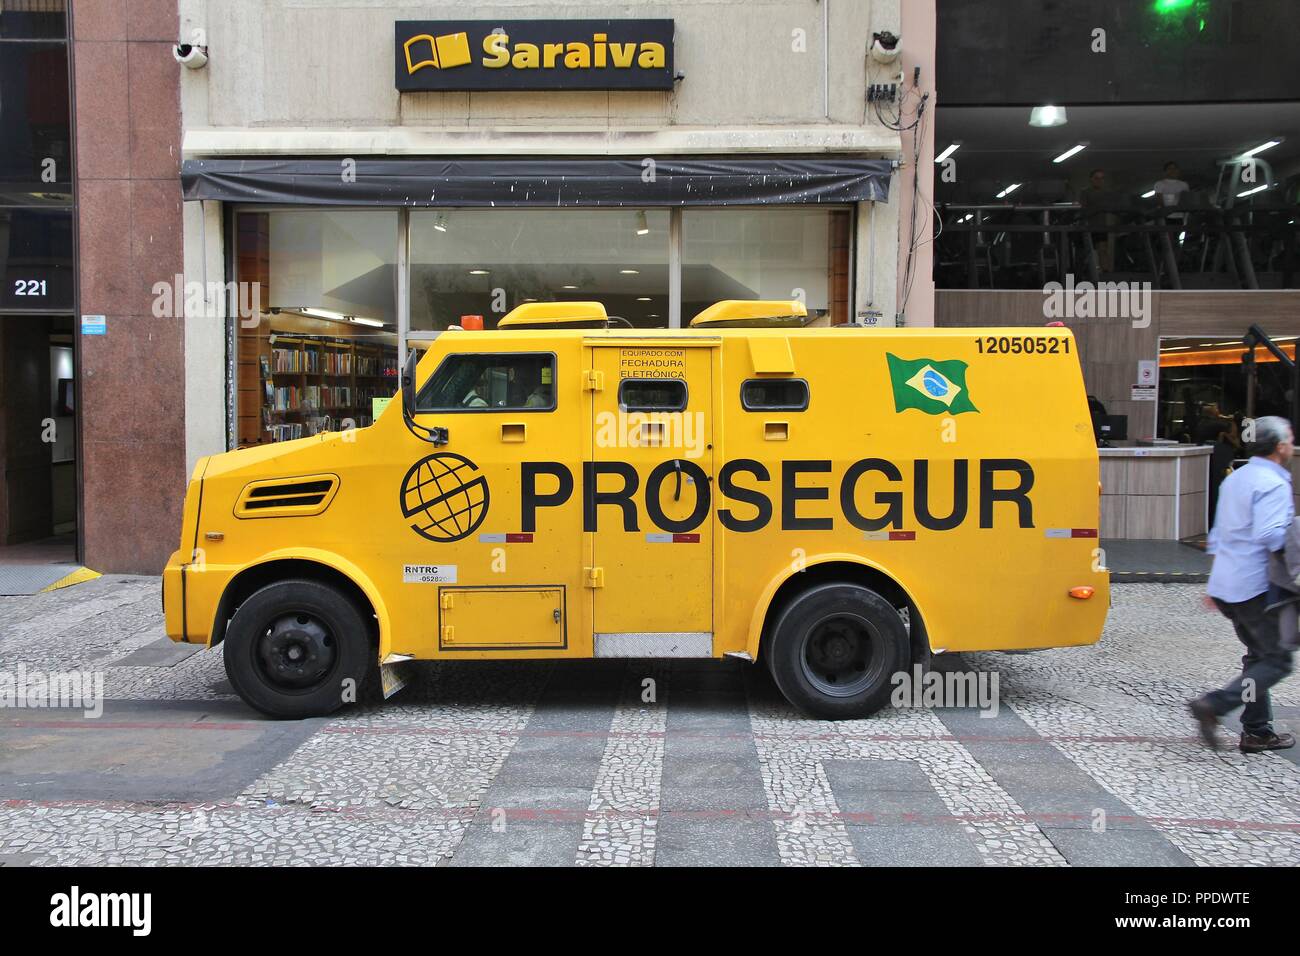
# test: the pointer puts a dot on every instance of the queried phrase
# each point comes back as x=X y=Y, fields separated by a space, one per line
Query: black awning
x=539 y=182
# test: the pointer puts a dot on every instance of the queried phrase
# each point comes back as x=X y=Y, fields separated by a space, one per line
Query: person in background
x=1191 y=414
x=1227 y=447
x=1252 y=520
x=1097 y=219
x=1169 y=192
x=1211 y=424
x=1171 y=186
x=1097 y=412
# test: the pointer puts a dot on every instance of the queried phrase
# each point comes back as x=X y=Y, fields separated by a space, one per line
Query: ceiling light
x=568 y=287
x=363 y=321
x=1070 y=152
x=642 y=227
x=643 y=298
x=947 y=152
x=629 y=272
x=1047 y=116
x=1008 y=191
x=1250 y=192
x=324 y=314
x=479 y=272
x=1260 y=148
x=1148 y=194
x=440 y=223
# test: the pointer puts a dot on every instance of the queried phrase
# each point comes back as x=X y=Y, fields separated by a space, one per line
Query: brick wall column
x=132 y=380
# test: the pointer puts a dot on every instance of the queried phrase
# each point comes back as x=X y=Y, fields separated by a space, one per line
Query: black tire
x=834 y=650
x=292 y=647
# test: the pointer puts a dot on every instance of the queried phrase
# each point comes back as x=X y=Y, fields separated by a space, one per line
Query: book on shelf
x=286 y=432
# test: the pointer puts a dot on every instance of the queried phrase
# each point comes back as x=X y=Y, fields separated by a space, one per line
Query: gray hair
x=1269 y=431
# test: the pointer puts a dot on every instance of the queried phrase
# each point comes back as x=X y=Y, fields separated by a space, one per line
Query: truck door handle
x=677 y=491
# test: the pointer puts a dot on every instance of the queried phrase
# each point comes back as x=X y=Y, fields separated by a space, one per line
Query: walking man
x=1253 y=517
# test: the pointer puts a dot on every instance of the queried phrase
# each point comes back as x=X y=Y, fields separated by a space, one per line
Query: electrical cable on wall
x=910 y=116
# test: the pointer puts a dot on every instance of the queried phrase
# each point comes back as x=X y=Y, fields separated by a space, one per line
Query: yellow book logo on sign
x=443 y=52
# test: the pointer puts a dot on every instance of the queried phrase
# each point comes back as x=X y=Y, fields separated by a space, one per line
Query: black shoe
x=1258 y=743
x=1208 y=722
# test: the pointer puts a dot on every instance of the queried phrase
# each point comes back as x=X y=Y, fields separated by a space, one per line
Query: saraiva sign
x=438 y=55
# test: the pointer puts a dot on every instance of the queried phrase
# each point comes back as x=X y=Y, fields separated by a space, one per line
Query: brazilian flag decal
x=936 y=388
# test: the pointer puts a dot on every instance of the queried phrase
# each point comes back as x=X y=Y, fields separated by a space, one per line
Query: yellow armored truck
x=834 y=504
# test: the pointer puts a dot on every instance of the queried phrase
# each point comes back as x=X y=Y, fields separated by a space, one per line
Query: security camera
x=190 y=56
x=884 y=47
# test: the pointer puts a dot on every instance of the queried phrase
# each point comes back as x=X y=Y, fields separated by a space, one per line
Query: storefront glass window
x=322 y=341
x=765 y=253
x=36 y=163
x=322 y=286
x=487 y=261
x=33 y=19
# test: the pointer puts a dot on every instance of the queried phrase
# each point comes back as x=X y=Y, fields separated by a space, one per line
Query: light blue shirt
x=1251 y=520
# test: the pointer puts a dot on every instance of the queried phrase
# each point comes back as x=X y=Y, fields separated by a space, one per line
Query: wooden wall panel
x=1111 y=348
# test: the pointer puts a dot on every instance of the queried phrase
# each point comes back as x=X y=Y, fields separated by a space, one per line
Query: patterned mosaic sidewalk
x=1090 y=760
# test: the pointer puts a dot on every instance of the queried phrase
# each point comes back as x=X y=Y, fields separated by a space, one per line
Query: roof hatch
x=753 y=314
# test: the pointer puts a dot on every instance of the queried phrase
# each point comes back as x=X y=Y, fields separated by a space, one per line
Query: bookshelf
x=295 y=375
x=312 y=383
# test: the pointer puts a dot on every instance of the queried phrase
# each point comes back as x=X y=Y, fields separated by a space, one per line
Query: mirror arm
x=434 y=436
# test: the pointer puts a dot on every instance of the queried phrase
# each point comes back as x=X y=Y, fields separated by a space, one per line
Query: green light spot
x=1172 y=6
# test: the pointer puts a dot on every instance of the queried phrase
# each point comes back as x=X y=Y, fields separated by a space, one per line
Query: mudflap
x=394 y=674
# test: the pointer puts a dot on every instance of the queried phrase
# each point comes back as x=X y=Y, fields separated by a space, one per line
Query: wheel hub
x=297 y=650
x=838 y=655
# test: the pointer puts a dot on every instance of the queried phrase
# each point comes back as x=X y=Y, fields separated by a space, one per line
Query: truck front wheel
x=834 y=649
x=297 y=649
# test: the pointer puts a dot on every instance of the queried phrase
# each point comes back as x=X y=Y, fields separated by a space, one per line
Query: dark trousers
x=1267 y=661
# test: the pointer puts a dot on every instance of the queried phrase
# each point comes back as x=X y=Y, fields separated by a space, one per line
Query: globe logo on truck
x=445 y=497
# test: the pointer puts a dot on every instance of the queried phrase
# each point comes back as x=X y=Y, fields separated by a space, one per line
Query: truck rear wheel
x=297 y=649
x=834 y=649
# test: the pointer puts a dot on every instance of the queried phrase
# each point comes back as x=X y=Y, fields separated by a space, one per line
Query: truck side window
x=491 y=382
x=774 y=394
x=652 y=395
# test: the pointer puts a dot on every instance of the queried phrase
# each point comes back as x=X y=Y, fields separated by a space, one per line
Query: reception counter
x=1160 y=492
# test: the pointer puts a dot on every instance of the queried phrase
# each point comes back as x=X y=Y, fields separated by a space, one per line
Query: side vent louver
x=287 y=497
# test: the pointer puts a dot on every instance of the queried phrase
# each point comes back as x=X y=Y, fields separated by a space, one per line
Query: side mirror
x=435 y=435
x=408 y=385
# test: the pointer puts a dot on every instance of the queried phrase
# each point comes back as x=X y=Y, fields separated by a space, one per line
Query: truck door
x=502 y=586
x=648 y=500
